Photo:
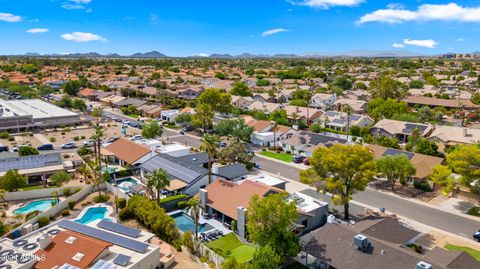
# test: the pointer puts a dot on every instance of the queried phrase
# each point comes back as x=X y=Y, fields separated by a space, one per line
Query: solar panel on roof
x=103 y=235
x=355 y=117
x=412 y=126
x=118 y=228
x=121 y=259
x=397 y=152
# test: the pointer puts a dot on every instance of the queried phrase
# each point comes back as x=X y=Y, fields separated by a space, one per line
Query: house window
x=305 y=223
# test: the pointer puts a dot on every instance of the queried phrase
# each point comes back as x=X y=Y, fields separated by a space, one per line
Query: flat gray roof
x=38 y=109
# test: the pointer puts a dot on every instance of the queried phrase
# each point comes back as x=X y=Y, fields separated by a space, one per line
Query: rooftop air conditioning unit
x=45 y=241
x=423 y=265
x=361 y=242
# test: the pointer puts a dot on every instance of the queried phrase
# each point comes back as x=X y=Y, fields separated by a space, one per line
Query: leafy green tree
x=235 y=127
x=27 y=151
x=416 y=84
x=269 y=222
x=385 y=87
x=379 y=108
x=218 y=100
x=79 y=104
x=152 y=129
x=299 y=102
x=209 y=144
x=159 y=180
x=344 y=169
x=465 y=161
x=184 y=118
x=343 y=82
x=12 y=180
x=476 y=97
x=442 y=175
x=235 y=152
x=65 y=102
x=220 y=75
x=279 y=116
x=203 y=117
x=72 y=87
x=241 y=89
x=60 y=177
x=396 y=167
x=265 y=258
x=427 y=147
x=262 y=82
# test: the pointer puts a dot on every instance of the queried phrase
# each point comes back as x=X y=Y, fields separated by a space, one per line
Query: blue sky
x=191 y=27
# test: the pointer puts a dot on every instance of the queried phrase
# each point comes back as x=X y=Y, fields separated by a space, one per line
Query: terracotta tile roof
x=60 y=252
x=432 y=101
x=260 y=125
x=226 y=196
x=86 y=92
x=127 y=150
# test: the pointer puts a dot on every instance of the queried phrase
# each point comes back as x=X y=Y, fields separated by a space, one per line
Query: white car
x=88 y=143
x=136 y=138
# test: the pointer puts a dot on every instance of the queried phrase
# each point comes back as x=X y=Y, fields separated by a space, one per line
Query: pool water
x=128 y=179
x=40 y=205
x=185 y=223
x=92 y=214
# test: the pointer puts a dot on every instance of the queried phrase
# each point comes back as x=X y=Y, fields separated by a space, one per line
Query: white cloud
x=202 y=55
x=461 y=39
x=37 y=30
x=326 y=3
x=426 y=12
x=398 y=45
x=77 y=4
x=396 y=6
x=154 y=18
x=9 y=17
x=83 y=37
x=274 y=31
x=426 y=43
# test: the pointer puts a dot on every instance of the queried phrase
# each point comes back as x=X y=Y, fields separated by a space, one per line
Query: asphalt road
x=430 y=216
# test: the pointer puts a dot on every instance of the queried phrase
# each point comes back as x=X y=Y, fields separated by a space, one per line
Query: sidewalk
x=450 y=205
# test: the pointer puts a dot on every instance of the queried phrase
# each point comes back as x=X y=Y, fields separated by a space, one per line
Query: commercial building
x=33 y=113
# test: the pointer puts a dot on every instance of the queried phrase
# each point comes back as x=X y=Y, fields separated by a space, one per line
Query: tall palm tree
x=347 y=109
x=195 y=208
x=209 y=144
x=159 y=180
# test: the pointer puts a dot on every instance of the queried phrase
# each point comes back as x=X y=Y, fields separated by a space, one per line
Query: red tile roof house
x=229 y=201
x=126 y=152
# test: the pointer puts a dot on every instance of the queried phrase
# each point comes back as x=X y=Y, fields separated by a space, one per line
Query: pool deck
x=108 y=215
x=14 y=205
x=212 y=222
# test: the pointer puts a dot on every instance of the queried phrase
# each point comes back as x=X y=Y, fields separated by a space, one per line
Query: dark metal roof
x=183 y=171
x=397 y=152
x=232 y=171
x=199 y=158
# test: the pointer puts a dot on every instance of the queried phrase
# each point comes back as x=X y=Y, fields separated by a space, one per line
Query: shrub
x=173 y=197
x=43 y=221
x=474 y=211
x=249 y=165
x=122 y=203
x=288 y=152
x=182 y=204
x=11 y=138
x=53 y=139
x=233 y=224
x=4 y=135
x=82 y=137
x=65 y=212
x=211 y=264
x=264 y=149
x=203 y=259
x=52 y=218
x=71 y=205
x=422 y=185
x=67 y=192
x=31 y=215
x=125 y=213
x=187 y=239
x=102 y=198
x=76 y=138
x=62 y=133
x=416 y=248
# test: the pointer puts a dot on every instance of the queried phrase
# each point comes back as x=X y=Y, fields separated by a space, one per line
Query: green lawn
x=135 y=116
x=36 y=187
x=279 y=156
x=472 y=252
x=230 y=246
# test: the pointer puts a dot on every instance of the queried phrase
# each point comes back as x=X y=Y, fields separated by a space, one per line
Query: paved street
x=430 y=216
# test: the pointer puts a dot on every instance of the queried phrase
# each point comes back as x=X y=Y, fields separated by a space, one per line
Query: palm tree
x=159 y=180
x=347 y=109
x=195 y=208
x=209 y=144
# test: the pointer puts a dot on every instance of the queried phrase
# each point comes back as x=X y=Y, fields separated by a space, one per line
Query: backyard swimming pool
x=93 y=214
x=185 y=223
x=126 y=183
x=40 y=205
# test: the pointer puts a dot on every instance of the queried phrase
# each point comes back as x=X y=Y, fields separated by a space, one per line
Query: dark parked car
x=3 y=148
x=46 y=147
x=188 y=128
x=112 y=139
x=476 y=236
x=298 y=158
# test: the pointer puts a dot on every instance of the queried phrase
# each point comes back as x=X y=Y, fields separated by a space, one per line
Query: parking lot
x=76 y=135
